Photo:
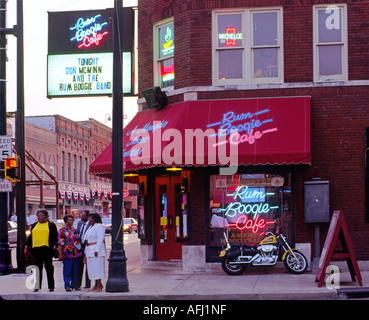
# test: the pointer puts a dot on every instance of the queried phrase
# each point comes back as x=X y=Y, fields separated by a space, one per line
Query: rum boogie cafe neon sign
x=80 y=53
x=255 y=209
x=89 y=32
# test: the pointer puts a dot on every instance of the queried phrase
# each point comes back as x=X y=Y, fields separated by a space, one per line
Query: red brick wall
x=339 y=114
x=192 y=31
x=197 y=207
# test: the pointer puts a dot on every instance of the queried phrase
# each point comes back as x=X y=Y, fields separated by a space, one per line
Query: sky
x=35 y=64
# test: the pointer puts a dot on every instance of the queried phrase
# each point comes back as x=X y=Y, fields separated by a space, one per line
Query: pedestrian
x=13 y=217
x=32 y=218
x=82 y=227
x=69 y=248
x=95 y=251
x=42 y=244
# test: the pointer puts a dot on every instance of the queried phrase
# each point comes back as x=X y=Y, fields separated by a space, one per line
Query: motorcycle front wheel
x=295 y=265
x=232 y=269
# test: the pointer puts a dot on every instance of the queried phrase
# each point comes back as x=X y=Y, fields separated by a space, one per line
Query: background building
x=66 y=148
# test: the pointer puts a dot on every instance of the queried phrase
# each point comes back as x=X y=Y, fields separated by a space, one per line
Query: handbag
x=55 y=253
x=30 y=260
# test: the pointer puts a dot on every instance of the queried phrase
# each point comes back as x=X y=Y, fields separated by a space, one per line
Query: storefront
x=74 y=199
x=214 y=166
x=246 y=206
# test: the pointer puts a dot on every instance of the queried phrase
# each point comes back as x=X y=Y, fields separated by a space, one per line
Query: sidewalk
x=158 y=284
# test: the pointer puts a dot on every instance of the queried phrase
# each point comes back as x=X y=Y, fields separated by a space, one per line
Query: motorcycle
x=236 y=257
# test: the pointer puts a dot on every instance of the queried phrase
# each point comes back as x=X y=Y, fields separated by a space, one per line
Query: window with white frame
x=247 y=46
x=164 y=54
x=330 y=42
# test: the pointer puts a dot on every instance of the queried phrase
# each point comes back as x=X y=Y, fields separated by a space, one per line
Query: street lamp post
x=117 y=277
x=20 y=139
x=5 y=253
x=17 y=31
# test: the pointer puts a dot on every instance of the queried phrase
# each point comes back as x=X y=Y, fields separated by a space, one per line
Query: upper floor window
x=330 y=42
x=68 y=167
x=164 y=54
x=63 y=166
x=247 y=46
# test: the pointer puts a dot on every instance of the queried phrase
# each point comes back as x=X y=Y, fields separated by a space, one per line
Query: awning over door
x=201 y=133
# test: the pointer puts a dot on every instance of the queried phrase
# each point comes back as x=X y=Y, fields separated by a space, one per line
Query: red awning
x=202 y=133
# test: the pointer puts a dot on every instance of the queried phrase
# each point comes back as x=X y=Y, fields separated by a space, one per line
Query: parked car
x=59 y=223
x=130 y=224
x=13 y=231
x=106 y=222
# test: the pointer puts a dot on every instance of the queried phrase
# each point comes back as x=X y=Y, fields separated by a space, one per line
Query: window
x=74 y=168
x=80 y=169
x=247 y=46
x=68 y=168
x=330 y=42
x=164 y=54
x=42 y=176
x=52 y=172
x=86 y=165
x=32 y=177
x=62 y=165
x=246 y=206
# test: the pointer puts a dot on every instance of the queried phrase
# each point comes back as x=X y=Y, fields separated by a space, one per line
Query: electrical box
x=316 y=201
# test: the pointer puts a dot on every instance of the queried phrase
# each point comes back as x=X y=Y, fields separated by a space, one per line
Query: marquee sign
x=74 y=74
x=80 y=53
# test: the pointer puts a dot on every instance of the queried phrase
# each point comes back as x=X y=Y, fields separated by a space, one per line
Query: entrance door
x=168 y=245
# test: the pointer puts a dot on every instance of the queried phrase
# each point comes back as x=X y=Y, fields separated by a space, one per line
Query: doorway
x=168 y=244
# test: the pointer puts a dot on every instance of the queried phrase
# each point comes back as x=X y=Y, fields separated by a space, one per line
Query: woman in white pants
x=95 y=251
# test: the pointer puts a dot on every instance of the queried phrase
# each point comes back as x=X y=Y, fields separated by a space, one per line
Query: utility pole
x=5 y=252
x=117 y=277
x=20 y=141
x=17 y=31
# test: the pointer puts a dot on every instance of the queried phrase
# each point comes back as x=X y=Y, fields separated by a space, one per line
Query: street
x=131 y=247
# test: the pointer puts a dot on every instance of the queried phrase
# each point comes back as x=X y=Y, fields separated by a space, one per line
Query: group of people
x=75 y=247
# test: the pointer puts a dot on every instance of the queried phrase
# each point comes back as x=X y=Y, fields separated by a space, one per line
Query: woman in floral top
x=69 y=247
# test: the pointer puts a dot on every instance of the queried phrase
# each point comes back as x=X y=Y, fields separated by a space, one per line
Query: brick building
x=42 y=145
x=301 y=63
x=66 y=149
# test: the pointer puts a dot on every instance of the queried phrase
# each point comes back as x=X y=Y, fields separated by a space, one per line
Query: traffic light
x=12 y=169
x=2 y=169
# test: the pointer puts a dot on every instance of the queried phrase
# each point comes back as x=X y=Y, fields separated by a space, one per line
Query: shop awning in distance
x=258 y=131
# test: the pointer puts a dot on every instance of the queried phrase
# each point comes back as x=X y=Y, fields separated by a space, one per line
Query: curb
x=330 y=295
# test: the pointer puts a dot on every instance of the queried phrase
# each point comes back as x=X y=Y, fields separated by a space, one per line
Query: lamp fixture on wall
x=155 y=98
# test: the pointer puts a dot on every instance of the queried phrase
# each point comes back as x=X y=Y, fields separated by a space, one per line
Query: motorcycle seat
x=244 y=246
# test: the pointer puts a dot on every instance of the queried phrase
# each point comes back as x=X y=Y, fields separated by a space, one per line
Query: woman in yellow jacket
x=42 y=244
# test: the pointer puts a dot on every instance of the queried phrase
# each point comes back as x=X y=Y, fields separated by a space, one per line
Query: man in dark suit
x=82 y=227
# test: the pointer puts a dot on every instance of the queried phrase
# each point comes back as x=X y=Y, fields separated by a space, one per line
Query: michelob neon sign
x=89 y=32
x=230 y=36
